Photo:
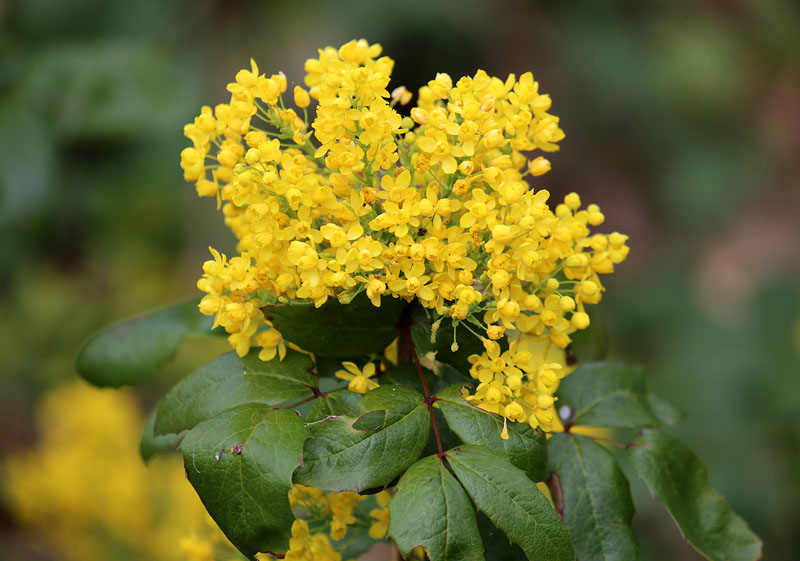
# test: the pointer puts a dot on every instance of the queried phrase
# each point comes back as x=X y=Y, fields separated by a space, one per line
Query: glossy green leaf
x=327 y=366
x=679 y=480
x=132 y=350
x=597 y=505
x=336 y=403
x=229 y=381
x=338 y=330
x=150 y=445
x=512 y=502
x=432 y=510
x=240 y=463
x=408 y=375
x=525 y=447
x=370 y=421
x=607 y=395
x=340 y=457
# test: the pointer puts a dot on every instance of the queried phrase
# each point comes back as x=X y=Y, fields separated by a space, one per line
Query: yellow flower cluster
x=303 y=546
x=334 y=510
x=519 y=383
x=337 y=508
x=433 y=207
x=85 y=493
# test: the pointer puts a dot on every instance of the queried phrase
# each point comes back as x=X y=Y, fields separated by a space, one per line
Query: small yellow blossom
x=360 y=381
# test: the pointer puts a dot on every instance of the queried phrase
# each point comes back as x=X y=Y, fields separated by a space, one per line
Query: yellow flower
x=272 y=343
x=84 y=491
x=379 y=528
x=360 y=381
x=341 y=506
x=303 y=546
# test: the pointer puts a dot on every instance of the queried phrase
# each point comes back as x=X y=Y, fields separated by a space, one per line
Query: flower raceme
x=434 y=207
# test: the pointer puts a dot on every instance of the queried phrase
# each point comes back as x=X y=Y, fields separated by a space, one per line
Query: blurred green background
x=682 y=122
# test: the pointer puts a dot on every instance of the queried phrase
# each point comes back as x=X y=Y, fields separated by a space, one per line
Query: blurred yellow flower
x=84 y=491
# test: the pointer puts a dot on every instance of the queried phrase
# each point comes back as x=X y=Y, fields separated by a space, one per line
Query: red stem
x=428 y=399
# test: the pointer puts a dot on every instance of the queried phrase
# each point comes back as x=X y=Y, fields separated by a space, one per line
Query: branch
x=429 y=400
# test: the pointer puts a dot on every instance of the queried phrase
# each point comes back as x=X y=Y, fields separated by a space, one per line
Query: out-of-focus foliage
x=682 y=123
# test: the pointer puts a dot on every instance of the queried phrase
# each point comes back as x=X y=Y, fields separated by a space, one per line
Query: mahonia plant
x=415 y=357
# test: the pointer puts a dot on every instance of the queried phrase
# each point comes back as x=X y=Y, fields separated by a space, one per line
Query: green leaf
x=130 y=351
x=664 y=411
x=607 y=394
x=590 y=345
x=241 y=463
x=422 y=330
x=596 y=499
x=338 y=330
x=679 y=480
x=525 y=447
x=512 y=502
x=328 y=366
x=341 y=402
x=408 y=375
x=340 y=457
x=229 y=381
x=151 y=445
x=370 y=421
x=431 y=509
